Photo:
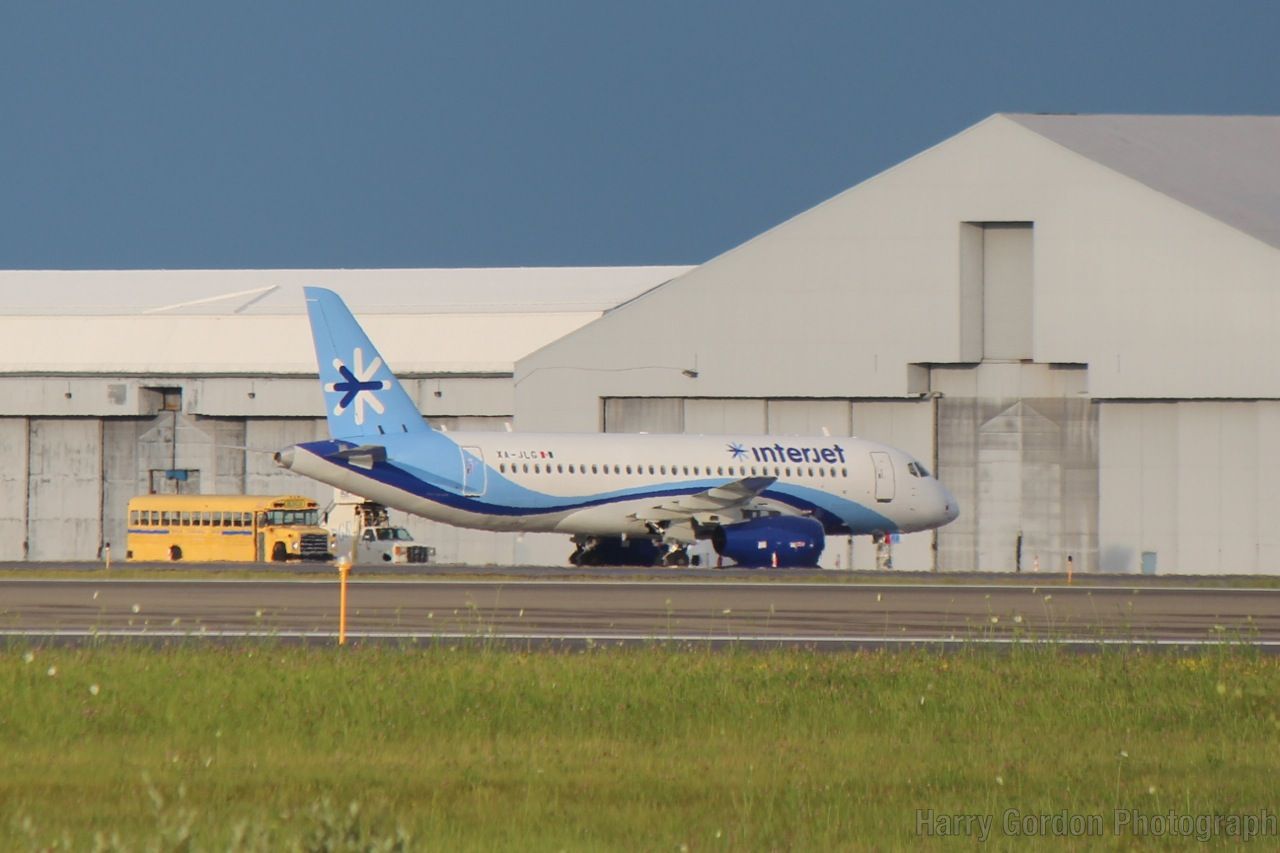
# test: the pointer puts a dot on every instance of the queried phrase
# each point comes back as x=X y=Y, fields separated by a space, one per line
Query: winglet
x=362 y=396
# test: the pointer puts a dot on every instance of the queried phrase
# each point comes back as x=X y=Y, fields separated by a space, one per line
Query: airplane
x=625 y=499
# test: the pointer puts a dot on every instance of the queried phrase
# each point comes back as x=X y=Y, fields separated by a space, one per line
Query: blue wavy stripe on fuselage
x=505 y=498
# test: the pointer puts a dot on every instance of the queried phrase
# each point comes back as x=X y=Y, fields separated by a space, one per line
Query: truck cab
x=363 y=529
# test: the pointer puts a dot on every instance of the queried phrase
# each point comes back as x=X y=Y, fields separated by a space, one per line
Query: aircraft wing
x=714 y=501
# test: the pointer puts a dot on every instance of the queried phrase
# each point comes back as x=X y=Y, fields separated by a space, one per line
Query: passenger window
x=650 y=469
x=663 y=470
x=559 y=468
x=844 y=472
x=720 y=470
x=526 y=467
x=628 y=469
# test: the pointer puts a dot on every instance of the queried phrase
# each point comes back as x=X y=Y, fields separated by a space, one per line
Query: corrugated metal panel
x=809 y=417
x=65 y=489
x=644 y=414
x=723 y=417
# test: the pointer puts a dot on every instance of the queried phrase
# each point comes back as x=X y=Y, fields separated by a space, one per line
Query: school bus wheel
x=279 y=553
x=175 y=553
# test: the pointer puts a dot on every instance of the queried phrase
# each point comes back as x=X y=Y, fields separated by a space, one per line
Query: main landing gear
x=617 y=551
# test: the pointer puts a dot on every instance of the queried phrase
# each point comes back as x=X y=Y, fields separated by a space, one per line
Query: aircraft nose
x=947 y=503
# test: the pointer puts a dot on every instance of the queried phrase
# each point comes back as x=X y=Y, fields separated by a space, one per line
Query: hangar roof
x=1225 y=166
x=517 y=290
x=254 y=321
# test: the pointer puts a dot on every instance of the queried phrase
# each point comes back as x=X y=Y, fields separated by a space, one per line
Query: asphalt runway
x=577 y=611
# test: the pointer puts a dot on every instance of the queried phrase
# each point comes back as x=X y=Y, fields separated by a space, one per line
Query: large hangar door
x=13 y=487
x=65 y=462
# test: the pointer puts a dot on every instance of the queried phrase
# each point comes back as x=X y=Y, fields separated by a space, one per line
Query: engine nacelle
x=776 y=540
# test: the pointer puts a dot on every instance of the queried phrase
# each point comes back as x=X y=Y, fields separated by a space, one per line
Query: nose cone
x=950 y=509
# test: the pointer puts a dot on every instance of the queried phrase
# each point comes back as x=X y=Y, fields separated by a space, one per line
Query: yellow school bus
x=225 y=527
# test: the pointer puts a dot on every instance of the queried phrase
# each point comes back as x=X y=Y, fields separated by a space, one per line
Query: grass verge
x=265 y=746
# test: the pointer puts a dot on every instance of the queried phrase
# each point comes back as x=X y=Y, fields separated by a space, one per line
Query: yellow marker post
x=344 y=569
x=1070 y=566
x=106 y=554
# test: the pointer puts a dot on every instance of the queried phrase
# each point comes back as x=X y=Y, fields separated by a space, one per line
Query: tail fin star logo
x=358 y=386
x=736 y=450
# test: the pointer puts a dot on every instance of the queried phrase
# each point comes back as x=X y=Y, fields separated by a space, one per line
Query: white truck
x=363 y=530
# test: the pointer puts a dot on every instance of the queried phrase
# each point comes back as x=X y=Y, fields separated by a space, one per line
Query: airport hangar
x=1070 y=316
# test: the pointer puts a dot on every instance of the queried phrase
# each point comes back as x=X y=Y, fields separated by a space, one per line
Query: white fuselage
x=616 y=484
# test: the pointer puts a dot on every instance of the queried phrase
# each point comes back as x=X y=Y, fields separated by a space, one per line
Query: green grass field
x=264 y=746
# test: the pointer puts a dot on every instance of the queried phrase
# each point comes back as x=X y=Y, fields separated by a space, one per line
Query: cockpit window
x=917 y=470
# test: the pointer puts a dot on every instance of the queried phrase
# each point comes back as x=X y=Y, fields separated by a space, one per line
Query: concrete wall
x=1018 y=446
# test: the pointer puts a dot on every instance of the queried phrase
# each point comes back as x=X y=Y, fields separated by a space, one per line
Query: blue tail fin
x=362 y=396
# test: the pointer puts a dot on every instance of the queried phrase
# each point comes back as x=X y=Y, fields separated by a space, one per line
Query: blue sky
x=385 y=134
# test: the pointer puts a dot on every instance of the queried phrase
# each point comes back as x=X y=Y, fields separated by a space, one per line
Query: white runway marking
x=603 y=638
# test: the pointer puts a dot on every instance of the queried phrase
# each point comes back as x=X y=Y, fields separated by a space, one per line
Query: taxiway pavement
x=788 y=612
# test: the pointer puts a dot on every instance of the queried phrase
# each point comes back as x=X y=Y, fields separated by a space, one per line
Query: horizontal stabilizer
x=364 y=456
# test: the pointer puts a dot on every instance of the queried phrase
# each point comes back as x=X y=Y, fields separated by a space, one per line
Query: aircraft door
x=475 y=475
x=883 y=465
